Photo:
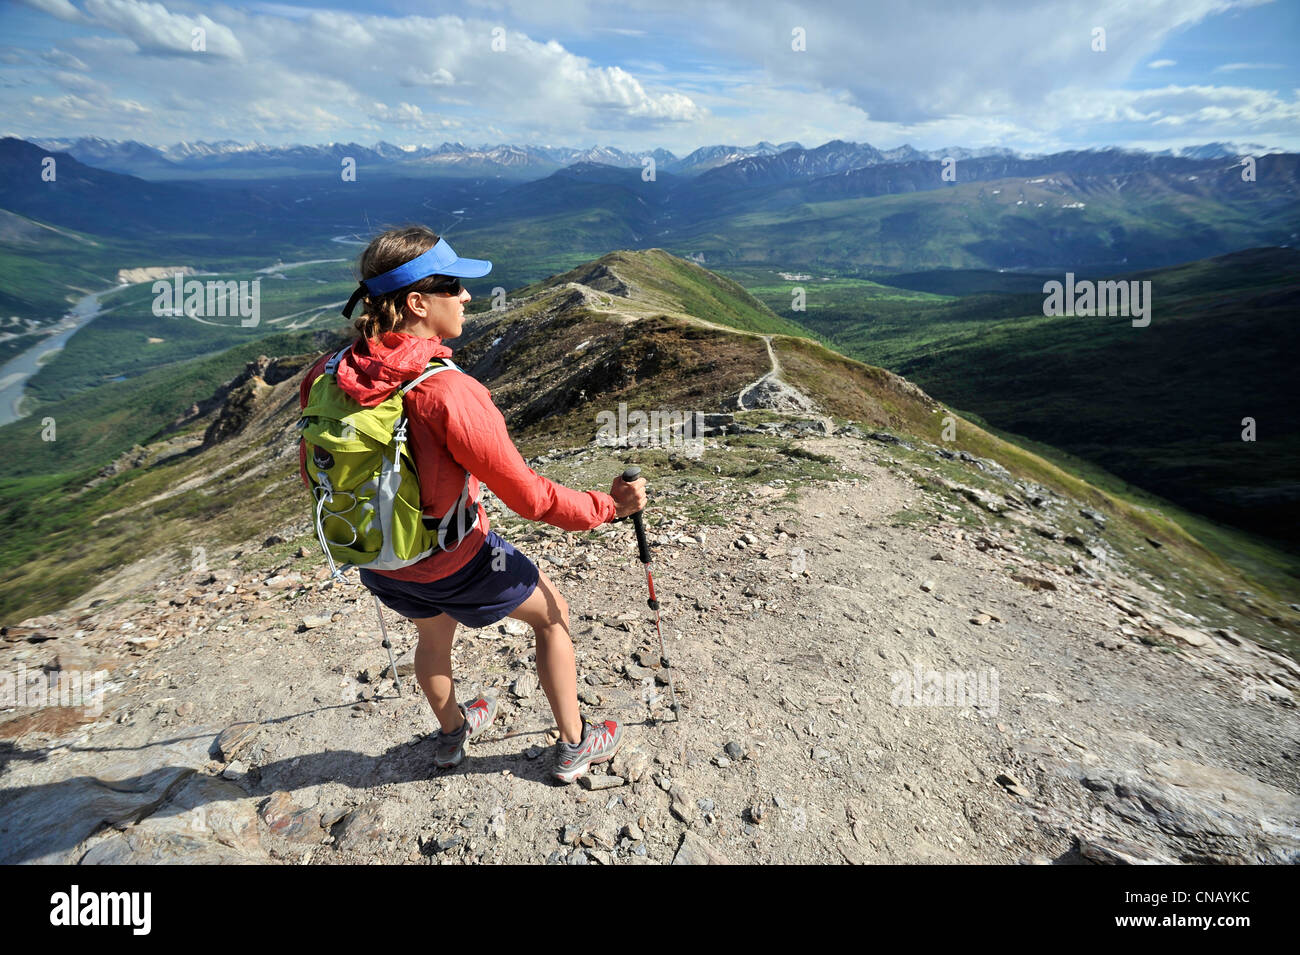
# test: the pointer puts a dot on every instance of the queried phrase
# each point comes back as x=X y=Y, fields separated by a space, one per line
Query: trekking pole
x=630 y=475
x=388 y=645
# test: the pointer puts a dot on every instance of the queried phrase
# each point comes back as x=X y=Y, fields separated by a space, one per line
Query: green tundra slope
x=1160 y=406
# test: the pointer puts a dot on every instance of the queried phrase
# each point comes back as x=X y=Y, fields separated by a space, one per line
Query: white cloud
x=613 y=89
x=1235 y=67
x=111 y=47
x=418 y=77
x=87 y=108
x=64 y=60
x=80 y=83
x=1214 y=112
x=295 y=76
x=285 y=10
x=61 y=9
x=869 y=72
x=154 y=29
x=910 y=63
x=933 y=73
x=408 y=116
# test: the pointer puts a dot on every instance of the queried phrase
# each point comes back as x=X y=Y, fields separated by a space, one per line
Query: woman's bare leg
x=433 y=668
x=548 y=614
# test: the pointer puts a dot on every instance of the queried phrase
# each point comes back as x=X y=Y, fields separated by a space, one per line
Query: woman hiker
x=412 y=301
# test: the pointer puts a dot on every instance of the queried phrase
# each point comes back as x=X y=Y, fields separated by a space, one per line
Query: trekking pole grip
x=631 y=474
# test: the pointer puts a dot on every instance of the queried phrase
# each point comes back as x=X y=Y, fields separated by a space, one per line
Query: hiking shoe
x=449 y=748
x=599 y=743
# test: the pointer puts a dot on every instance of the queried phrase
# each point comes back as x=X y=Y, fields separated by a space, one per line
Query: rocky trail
x=772 y=393
x=867 y=675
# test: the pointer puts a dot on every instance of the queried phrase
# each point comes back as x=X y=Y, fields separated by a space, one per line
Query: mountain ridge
x=562 y=350
x=201 y=157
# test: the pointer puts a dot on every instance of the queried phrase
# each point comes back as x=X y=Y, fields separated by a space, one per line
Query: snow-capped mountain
x=760 y=163
x=710 y=157
x=1225 y=151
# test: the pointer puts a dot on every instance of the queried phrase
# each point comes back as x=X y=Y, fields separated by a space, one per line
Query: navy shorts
x=476 y=595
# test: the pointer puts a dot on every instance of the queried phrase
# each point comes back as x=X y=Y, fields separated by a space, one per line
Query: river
x=15 y=373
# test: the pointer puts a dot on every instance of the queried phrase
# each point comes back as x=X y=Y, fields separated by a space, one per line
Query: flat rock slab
x=207 y=820
x=287 y=819
x=1229 y=790
x=234 y=738
x=1183 y=811
x=45 y=822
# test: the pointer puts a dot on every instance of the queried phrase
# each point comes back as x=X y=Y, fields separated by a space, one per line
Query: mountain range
x=449 y=158
x=842 y=208
x=227 y=157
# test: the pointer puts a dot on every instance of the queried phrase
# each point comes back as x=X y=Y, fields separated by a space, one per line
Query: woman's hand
x=629 y=498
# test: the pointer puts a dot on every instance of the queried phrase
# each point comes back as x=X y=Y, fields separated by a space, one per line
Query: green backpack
x=364 y=482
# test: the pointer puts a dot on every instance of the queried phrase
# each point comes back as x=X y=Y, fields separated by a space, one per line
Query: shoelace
x=476 y=715
x=599 y=735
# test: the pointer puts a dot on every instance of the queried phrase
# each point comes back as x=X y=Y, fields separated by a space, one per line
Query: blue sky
x=640 y=74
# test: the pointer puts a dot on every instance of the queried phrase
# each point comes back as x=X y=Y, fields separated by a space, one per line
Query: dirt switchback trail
x=867 y=676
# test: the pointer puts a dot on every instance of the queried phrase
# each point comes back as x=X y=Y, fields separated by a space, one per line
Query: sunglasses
x=450 y=287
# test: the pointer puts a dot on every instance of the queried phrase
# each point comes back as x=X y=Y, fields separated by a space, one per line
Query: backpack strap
x=447 y=365
x=460 y=510
x=332 y=365
x=461 y=513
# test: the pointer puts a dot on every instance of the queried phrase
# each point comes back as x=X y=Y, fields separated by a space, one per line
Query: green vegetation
x=1257 y=557
x=1160 y=406
x=12 y=347
x=555 y=382
x=68 y=537
x=659 y=280
x=978 y=225
x=43 y=271
x=699 y=292
x=127 y=339
x=955 y=282
x=94 y=428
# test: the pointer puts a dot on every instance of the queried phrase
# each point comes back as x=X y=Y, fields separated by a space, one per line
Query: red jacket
x=453 y=422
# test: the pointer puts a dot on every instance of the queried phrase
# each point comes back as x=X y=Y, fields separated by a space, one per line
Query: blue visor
x=439 y=260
